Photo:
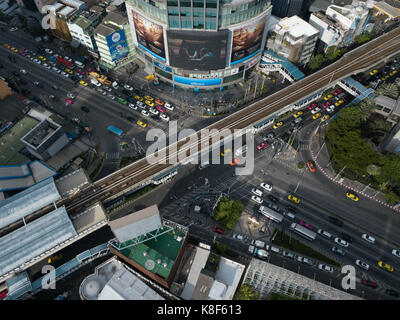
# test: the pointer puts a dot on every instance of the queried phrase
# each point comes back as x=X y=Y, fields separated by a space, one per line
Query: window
x=387 y=110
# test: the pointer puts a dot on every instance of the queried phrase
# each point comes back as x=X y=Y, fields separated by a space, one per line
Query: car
x=257 y=192
x=63 y=73
x=396 y=253
x=339 y=103
x=237 y=236
x=159 y=102
x=393 y=73
x=291 y=209
x=288 y=254
x=311 y=166
x=68 y=71
x=326 y=104
x=312 y=106
x=385 y=266
x=329 y=96
x=262 y=146
x=83 y=83
x=392 y=293
x=266 y=186
x=141 y=124
x=369 y=283
x=169 y=106
x=235 y=161
x=140 y=104
x=42 y=58
x=68 y=58
x=278 y=124
x=257 y=199
x=373 y=72
x=164 y=117
x=293 y=199
x=160 y=108
x=132 y=106
x=154 y=111
x=37 y=61
x=13 y=29
x=23 y=71
x=71 y=95
x=338 y=251
x=270 y=135
x=368 y=238
x=316 y=116
x=56 y=69
x=218 y=230
x=325 y=117
x=305 y=224
x=341 y=242
x=336 y=92
x=85 y=109
x=36 y=83
x=149 y=98
x=48 y=51
x=273 y=199
x=304 y=260
x=54 y=87
x=351 y=195
x=362 y=264
x=225 y=152
x=145 y=113
x=46 y=66
x=138 y=98
x=14 y=50
x=110 y=96
x=316 y=110
x=326 y=268
x=54 y=258
x=149 y=103
x=128 y=87
x=297 y=114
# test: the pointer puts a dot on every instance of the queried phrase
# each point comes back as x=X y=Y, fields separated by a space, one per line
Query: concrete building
x=45 y=140
x=199 y=44
x=294 y=39
x=5 y=90
x=114 y=41
x=287 y=8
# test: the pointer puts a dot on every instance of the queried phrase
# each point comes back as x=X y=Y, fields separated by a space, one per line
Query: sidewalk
x=324 y=165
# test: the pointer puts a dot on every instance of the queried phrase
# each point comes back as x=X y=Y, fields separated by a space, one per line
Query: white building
x=294 y=39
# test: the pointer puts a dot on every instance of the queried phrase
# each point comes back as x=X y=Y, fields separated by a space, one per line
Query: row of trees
x=228 y=212
x=331 y=54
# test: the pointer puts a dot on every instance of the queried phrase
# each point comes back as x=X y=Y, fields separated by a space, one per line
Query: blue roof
x=290 y=67
x=355 y=84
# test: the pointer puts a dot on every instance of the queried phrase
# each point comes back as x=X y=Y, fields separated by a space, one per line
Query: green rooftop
x=10 y=144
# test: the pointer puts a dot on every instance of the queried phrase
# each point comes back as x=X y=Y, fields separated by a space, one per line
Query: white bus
x=270 y=214
x=306 y=233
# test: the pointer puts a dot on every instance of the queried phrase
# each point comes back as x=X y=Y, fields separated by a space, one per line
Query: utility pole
x=319 y=151
x=340 y=172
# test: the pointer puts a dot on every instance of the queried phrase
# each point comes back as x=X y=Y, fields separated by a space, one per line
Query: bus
x=64 y=61
x=304 y=232
x=270 y=214
x=265 y=123
x=115 y=131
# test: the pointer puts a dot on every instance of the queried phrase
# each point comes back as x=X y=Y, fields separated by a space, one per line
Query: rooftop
x=72 y=182
x=387 y=9
x=296 y=27
x=39 y=134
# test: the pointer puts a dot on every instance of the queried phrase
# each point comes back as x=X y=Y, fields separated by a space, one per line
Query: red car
x=218 y=230
x=69 y=101
x=369 y=283
x=80 y=71
x=327 y=104
x=160 y=108
x=262 y=145
x=312 y=105
x=305 y=224
x=3 y=294
x=336 y=92
x=159 y=102
x=311 y=166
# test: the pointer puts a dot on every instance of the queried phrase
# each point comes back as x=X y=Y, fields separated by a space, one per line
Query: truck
x=258 y=243
x=103 y=79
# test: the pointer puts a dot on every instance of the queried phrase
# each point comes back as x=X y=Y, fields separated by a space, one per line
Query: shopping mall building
x=199 y=44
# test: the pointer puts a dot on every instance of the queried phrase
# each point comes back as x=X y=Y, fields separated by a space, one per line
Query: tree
x=362 y=38
x=316 y=61
x=246 y=292
x=392 y=198
x=228 y=212
x=388 y=89
x=366 y=107
x=333 y=52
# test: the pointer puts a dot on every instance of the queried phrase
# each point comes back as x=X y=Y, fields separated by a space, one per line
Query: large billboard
x=117 y=45
x=149 y=36
x=246 y=41
x=197 y=50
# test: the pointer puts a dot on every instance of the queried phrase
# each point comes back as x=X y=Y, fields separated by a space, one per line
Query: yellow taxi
x=14 y=49
x=42 y=58
x=352 y=196
x=149 y=98
x=141 y=124
x=138 y=98
x=298 y=114
x=54 y=258
x=329 y=96
x=385 y=266
x=393 y=72
x=339 y=103
x=6 y=45
x=278 y=124
x=317 y=115
x=83 y=83
x=373 y=72
x=149 y=103
x=227 y=151
x=385 y=77
x=293 y=198
x=68 y=70
x=324 y=118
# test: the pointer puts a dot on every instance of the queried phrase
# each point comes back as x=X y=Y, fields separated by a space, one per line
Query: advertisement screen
x=197 y=50
x=198 y=82
x=149 y=36
x=246 y=41
x=117 y=45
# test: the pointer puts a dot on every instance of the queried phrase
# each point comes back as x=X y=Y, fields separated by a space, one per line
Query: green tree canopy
x=316 y=61
x=333 y=53
x=388 y=89
x=228 y=212
x=362 y=38
x=246 y=292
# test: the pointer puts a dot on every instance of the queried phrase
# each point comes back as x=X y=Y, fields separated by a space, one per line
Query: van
x=324 y=233
x=251 y=249
x=273 y=249
x=258 y=243
x=203 y=165
x=79 y=64
x=298 y=120
x=290 y=215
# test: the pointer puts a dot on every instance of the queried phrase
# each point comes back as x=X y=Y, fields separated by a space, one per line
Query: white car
x=237 y=236
x=63 y=73
x=140 y=104
x=169 y=106
x=304 y=260
x=132 y=106
x=315 y=110
x=257 y=192
x=164 y=117
x=13 y=29
x=108 y=89
x=362 y=264
x=396 y=253
x=48 y=51
x=128 y=87
x=71 y=95
x=95 y=82
x=37 y=61
x=326 y=268
x=266 y=186
x=68 y=58
x=145 y=113
x=341 y=242
x=47 y=66
x=111 y=96
x=368 y=238
x=330 y=109
x=154 y=111
x=23 y=71
x=257 y=199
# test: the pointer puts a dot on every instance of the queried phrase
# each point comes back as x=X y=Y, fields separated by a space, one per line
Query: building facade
x=199 y=44
x=287 y=8
x=294 y=39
